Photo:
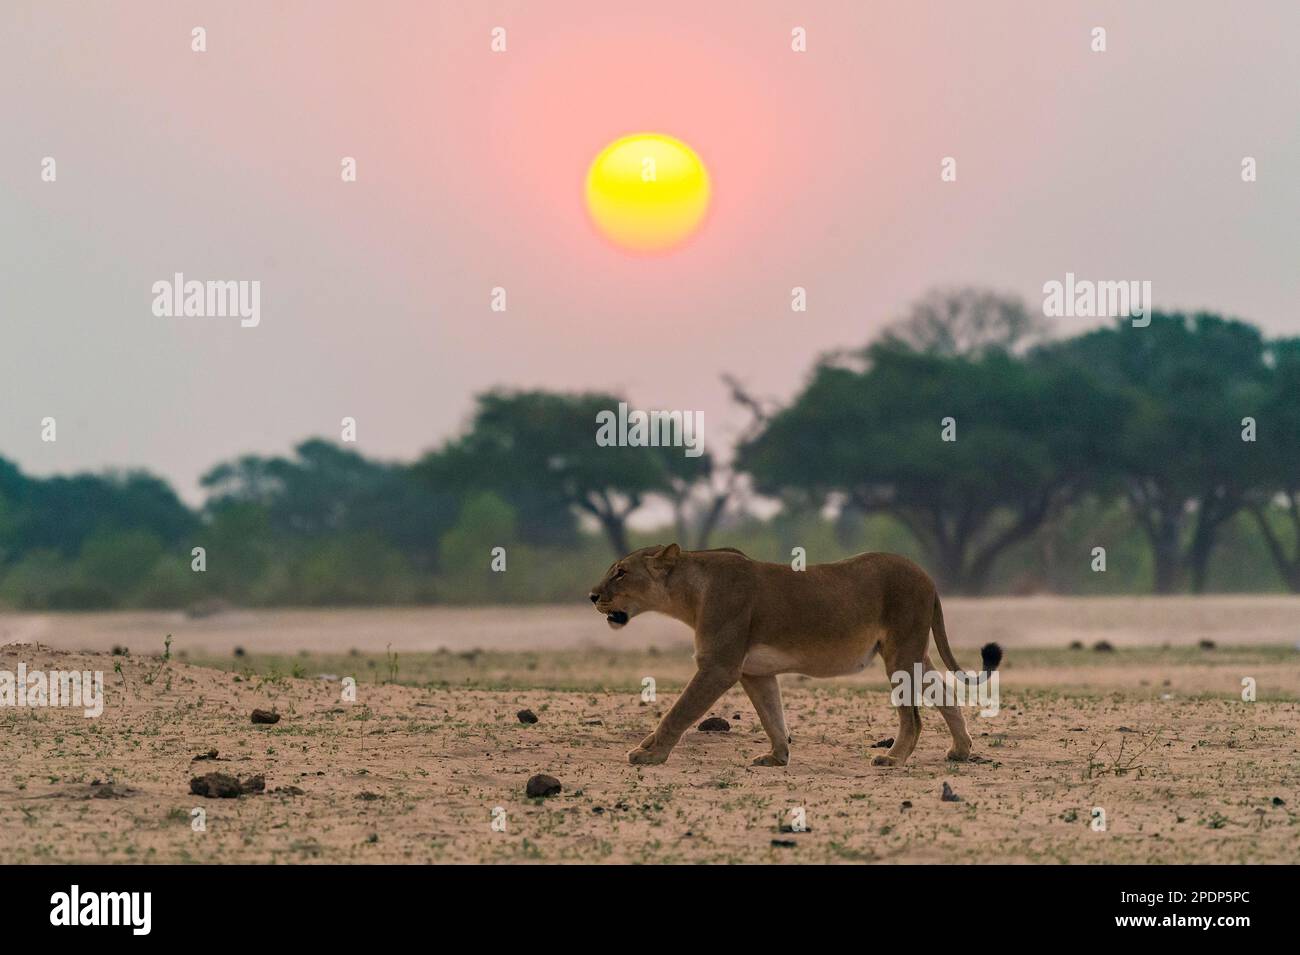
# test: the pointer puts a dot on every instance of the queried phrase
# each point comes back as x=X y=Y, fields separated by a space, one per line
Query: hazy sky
x=375 y=294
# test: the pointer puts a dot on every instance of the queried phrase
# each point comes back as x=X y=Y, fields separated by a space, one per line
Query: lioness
x=753 y=620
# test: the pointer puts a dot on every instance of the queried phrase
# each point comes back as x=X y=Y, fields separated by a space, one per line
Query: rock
x=784 y=843
x=907 y=804
x=1279 y=801
x=239 y=651
x=210 y=754
x=885 y=743
x=1076 y=644
x=1206 y=644
x=1103 y=646
x=224 y=786
x=948 y=795
x=715 y=724
x=543 y=785
x=527 y=716
x=216 y=786
x=265 y=716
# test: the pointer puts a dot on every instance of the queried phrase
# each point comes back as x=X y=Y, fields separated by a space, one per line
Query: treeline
x=1123 y=460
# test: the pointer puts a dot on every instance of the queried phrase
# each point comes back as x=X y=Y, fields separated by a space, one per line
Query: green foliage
x=1030 y=436
x=1124 y=438
x=537 y=451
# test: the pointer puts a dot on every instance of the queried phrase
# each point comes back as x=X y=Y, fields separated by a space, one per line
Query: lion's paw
x=645 y=757
x=884 y=761
x=770 y=759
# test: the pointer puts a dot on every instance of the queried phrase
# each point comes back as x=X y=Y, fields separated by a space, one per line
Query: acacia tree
x=1186 y=470
x=1029 y=435
x=538 y=451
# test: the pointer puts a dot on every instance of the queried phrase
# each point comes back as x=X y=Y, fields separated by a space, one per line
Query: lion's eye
x=621 y=573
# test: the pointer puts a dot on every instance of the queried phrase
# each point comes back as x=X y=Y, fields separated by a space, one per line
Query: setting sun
x=647 y=192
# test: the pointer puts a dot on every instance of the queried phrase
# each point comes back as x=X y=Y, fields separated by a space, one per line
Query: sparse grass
x=1074 y=674
x=1193 y=777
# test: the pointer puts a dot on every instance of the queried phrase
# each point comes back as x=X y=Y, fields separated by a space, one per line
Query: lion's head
x=635 y=584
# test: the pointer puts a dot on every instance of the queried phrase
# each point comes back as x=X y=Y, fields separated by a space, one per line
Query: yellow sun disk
x=647 y=192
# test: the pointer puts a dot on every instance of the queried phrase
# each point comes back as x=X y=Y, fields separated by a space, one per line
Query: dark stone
x=265 y=716
x=224 y=786
x=715 y=724
x=543 y=785
x=527 y=716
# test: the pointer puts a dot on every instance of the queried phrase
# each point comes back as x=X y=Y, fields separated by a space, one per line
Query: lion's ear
x=665 y=560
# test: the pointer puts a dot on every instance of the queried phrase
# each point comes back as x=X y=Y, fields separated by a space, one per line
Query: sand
x=417 y=770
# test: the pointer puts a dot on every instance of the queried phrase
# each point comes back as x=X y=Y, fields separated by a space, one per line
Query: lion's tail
x=990 y=653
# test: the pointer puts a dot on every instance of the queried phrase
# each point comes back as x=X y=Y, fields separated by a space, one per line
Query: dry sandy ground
x=1157 y=738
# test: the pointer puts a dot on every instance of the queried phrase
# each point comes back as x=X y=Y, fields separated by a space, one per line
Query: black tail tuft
x=991 y=656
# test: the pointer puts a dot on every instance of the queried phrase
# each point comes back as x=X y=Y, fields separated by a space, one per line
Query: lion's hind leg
x=765 y=693
x=952 y=715
x=909 y=729
x=899 y=656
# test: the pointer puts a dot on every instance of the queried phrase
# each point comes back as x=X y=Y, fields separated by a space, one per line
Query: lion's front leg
x=708 y=684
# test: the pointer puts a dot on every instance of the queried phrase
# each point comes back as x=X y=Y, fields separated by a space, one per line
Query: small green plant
x=152 y=675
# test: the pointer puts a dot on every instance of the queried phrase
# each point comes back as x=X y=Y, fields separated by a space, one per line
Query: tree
x=537 y=450
x=325 y=490
x=968 y=321
x=1029 y=436
x=1277 y=465
x=701 y=487
x=61 y=513
x=1186 y=470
